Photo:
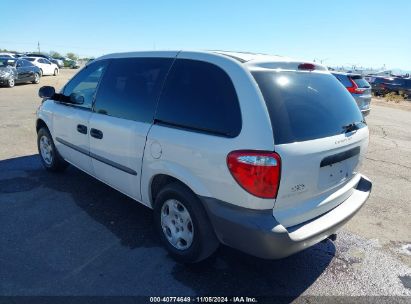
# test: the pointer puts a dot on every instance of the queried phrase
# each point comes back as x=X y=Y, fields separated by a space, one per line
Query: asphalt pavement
x=69 y=234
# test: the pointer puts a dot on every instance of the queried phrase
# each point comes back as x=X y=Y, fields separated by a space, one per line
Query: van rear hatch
x=321 y=137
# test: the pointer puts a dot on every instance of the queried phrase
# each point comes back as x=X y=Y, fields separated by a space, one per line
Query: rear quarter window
x=200 y=96
x=306 y=105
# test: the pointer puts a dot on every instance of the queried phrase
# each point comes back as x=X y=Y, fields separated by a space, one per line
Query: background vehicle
x=70 y=63
x=46 y=67
x=15 y=70
x=258 y=152
x=8 y=55
x=57 y=62
x=359 y=88
x=385 y=85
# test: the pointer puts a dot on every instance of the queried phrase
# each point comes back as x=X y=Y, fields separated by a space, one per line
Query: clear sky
x=347 y=32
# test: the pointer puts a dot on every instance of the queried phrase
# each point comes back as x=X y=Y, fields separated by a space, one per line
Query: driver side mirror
x=47 y=92
x=76 y=98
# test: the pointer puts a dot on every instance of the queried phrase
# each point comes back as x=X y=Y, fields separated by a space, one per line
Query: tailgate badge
x=298 y=188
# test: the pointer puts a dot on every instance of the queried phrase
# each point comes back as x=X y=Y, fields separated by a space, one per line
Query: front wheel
x=50 y=157
x=36 y=78
x=11 y=83
x=183 y=225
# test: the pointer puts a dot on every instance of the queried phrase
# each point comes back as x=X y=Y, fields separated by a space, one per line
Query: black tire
x=11 y=83
x=41 y=73
x=36 y=79
x=56 y=72
x=205 y=242
x=57 y=163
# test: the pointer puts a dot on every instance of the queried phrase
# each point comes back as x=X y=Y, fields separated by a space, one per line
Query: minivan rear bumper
x=258 y=233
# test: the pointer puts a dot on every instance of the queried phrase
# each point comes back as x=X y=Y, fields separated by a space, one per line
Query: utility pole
x=38 y=46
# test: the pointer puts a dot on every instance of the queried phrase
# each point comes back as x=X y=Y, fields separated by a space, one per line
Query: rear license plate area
x=334 y=174
x=337 y=168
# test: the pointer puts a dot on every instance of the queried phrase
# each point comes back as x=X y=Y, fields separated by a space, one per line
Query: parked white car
x=46 y=67
x=8 y=55
x=257 y=152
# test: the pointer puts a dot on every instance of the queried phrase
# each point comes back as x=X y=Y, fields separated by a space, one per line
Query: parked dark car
x=14 y=70
x=58 y=62
x=70 y=63
x=385 y=85
x=359 y=88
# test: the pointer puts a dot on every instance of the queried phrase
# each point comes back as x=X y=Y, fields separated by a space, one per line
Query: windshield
x=306 y=105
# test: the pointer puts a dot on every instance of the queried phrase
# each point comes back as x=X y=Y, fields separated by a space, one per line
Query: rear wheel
x=11 y=83
x=36 y=78
x=49 y=155
x=183 y=225
x=41 y=73
x=56 y=72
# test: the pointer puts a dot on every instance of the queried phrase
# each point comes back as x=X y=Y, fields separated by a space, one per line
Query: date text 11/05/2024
x=203 y=300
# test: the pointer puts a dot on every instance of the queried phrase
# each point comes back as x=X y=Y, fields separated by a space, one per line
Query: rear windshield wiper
x=353 y=126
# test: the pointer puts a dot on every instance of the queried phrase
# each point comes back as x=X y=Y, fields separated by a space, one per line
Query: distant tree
x=55 y=54
x=72 y=56
x=7 y=51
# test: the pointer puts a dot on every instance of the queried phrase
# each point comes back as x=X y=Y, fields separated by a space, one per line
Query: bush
x=393 y=96
x=72 y=56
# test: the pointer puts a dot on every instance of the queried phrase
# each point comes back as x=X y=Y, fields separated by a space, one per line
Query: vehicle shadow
x=20 y=84
x=128 y=220
x=232 y=273
x=228 y=272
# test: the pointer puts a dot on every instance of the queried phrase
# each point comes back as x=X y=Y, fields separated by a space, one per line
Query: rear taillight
x=257 y=172
x=354 y=88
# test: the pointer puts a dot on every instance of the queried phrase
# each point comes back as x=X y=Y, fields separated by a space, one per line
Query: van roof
x=252 y=61
x=346 y=74
x=258 y=61
x=248 y=56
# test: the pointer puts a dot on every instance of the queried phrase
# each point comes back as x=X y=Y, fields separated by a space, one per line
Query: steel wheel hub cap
x=177 y=224
x=46 y=150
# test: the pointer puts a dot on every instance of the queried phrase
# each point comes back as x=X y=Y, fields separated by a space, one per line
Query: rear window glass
x=360 y=82
x=306 y=106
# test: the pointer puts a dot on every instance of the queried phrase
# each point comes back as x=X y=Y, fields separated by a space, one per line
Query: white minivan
x=258 y=152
